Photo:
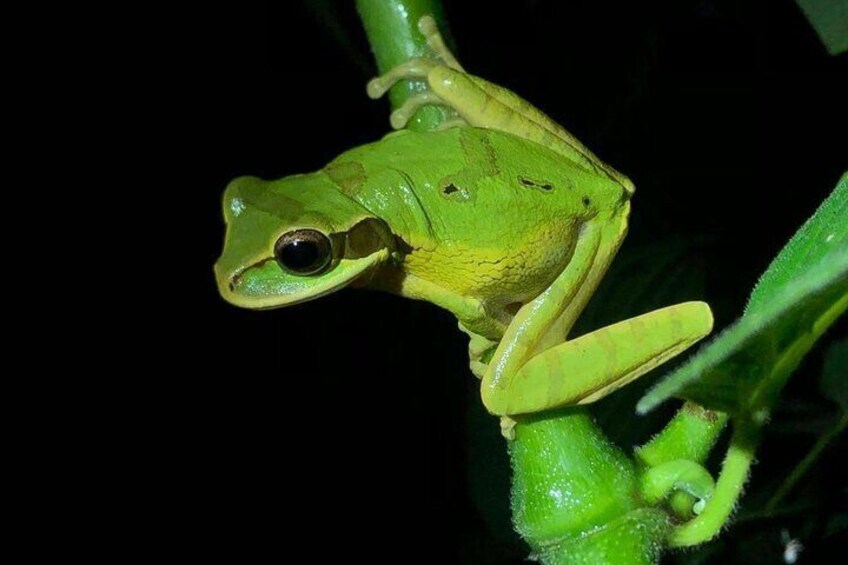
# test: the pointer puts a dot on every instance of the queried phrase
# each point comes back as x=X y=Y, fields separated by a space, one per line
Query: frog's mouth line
x=280 y=289
x=235 y=280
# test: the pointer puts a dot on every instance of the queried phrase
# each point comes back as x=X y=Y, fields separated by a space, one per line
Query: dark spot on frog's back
x=348 y=175
x=451 y=191
x=542 y=185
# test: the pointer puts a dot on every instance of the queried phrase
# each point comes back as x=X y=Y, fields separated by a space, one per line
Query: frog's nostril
x=232 y=287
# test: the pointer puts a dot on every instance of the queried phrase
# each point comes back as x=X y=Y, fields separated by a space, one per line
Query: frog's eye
x=303 y=252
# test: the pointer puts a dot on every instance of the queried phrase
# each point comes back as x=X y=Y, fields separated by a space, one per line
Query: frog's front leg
x=480 y=351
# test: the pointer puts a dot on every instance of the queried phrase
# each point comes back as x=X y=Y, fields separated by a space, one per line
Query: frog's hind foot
x=508 y=428
x=402 y=115
x=420 y=68
x=417 y=67
x=450 y=123
x=428 y=28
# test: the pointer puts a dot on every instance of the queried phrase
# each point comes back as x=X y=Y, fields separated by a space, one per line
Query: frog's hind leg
x=402 y=115
x=590 y=367
x=418 y=67
x=487 y=105
x=428 y=28
x=480 y=103
x=535 y=368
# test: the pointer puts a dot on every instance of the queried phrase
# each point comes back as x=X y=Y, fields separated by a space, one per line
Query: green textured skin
x=438 y=193
x=502 y=217
x=508 y=222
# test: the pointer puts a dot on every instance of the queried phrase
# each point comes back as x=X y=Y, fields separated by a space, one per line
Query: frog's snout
x=231 y=264
x=227 y=281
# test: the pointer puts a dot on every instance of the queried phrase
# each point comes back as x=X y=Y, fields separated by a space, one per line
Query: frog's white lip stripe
x=296 y=292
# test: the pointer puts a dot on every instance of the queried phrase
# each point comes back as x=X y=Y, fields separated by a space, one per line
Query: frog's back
x=476 y=205
x=464 y=178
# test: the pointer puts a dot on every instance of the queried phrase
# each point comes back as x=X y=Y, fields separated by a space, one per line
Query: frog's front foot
x=508 y=428
x=480 y=351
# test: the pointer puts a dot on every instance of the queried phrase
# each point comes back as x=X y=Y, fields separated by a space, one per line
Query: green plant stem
x=690 y=435
x=575 y=494
x=803 y=466
x=734 y=473
x=658 y=482
x=392 y=30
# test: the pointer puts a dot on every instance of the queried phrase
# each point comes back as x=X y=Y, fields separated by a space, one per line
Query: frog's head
x=295 y=239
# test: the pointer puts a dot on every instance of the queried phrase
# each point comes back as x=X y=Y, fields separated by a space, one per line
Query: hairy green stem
x=690 y=435
x=734 y=473
x=681 y=475
x=392 y=30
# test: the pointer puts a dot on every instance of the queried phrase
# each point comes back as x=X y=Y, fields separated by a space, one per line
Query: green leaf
x=826 y=231
x=801 y=294
x=830 y=20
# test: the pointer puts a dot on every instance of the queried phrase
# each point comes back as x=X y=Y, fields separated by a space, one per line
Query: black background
x=341 y=427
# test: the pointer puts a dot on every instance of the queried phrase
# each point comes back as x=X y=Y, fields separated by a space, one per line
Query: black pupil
x=301 y=255
x=304 y=252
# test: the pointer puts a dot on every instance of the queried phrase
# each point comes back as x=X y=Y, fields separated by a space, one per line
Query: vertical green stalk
x=690 y=435
x=575 y=494
x=734 y=473
x=392 y=30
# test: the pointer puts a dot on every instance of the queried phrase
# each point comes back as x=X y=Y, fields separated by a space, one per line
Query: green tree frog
x=500 y=216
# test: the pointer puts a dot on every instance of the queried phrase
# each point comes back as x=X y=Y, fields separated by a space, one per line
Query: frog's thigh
x=480 y=103
x=487 y=105
x=428 y=28
x=532 y=322
x=594 y=365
